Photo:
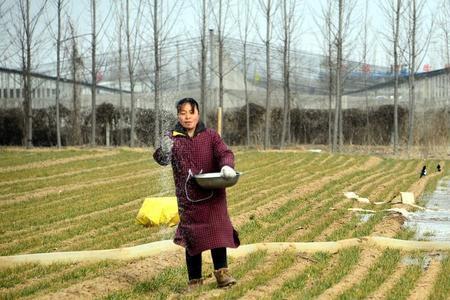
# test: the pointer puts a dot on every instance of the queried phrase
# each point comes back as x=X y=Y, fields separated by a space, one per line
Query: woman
x=204 y=221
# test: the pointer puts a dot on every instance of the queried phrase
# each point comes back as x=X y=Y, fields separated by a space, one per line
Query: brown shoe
x=194 y=283
x=223 y=278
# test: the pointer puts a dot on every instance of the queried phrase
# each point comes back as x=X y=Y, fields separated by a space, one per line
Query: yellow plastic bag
x=158 y=211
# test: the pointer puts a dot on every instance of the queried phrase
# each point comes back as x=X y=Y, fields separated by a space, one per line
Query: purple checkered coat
x=204 y=220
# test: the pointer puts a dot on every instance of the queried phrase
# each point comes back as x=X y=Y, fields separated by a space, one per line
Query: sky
x=186 y=25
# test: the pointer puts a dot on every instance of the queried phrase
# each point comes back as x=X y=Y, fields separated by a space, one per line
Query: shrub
x=11 y=126
x=145 y=124
x=310 y=126
x=44 y=126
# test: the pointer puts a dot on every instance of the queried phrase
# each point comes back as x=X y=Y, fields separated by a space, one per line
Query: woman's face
x=188 y=116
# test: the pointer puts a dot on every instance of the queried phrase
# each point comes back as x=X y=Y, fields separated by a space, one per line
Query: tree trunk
x=76 y=124
x=58 y=75
x=203 y=66
x=93 y=74
x=411 y=81
x=156 y=46
x=244 y=30
x=285 y=74
x=338 y=108
x=121 y=116
x=288 y=106
x=330 y=99
x=328 y=35
x=366 y=71
x=268 y=77
x=221 y=72
x=396 y=72
x=247 y=104
x=131 y=76
x=28 y=84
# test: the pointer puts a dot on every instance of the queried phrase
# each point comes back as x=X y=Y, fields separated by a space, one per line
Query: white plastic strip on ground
x=155 y=248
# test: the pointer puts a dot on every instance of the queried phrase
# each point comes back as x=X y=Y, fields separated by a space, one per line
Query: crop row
x=281 y=196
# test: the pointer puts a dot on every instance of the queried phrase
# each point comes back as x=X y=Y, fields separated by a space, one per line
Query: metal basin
x=215 y=180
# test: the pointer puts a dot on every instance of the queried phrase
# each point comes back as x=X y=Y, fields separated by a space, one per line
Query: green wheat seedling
x=58 y=278
x=91 y=203
x=377 y=274
x=259 y=193
x=406 y=283
x=290 y=209
x=77 y=175
x=321 y=281
x=56 y=167
x=296 y=285
x=172 y=281
x=11 y=158
x=441 y=287
x=282 y=262
x=396 y=170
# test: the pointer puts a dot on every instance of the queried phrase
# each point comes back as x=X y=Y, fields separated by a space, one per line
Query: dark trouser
x=194 y=263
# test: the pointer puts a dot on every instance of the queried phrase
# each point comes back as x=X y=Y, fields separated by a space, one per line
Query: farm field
x=86 y=199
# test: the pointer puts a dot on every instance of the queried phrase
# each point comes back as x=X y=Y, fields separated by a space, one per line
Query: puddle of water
x=433 y=223
x=423 y=263
x=364 y=218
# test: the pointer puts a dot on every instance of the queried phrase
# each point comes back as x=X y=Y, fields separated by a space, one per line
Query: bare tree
x=395 y=34
x=2 y=15
x=268 y=9
x=244 y=15
x=163 y=20
x=221 y=16
x=338 y=107
x=342 y=36
x=338 y=38
x=203 y=62
x=393 y=12
x=118 y=60
x=289 y=25
x=59 y=6
x=325 y=24
x=25 y=8
x=93 y=69
x=414 y=23
x=25 y=36
x=444 y=26
x=133 y=53
x=220 y=19
x=95 y=63
x=76 y=67
x=5 y=11
x=119 y=30
x=157 y=69
x=366 y=68
x=131 y=68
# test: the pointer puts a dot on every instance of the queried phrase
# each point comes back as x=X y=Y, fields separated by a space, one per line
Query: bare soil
x=275 y=283
x=48 y=163
x=367 y=258
x=301 y=191
x=125 y=277
x=387 y=286
x=426 y=281
x=39 y=193
x=121 y=279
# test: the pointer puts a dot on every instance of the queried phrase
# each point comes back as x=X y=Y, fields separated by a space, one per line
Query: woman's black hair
x=187 y=100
